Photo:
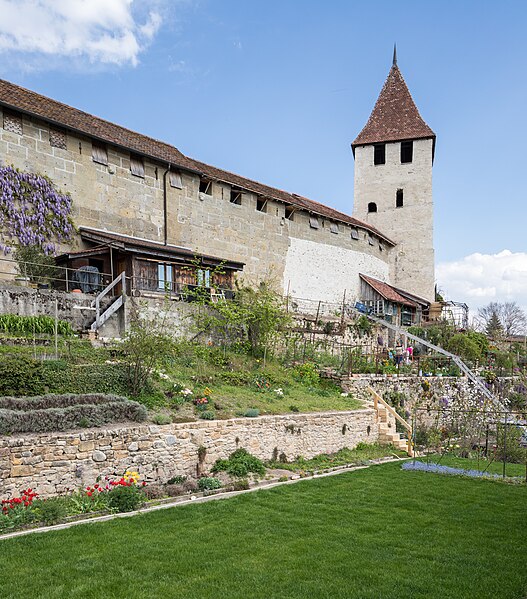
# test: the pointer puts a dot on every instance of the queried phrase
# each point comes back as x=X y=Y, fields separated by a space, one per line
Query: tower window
x=313 y=222
x=372 y=207
x=137 y=166
x=99 y=153
x=261 y=204
x=236 y=197
x=407 y=151
x=399 y=198
x=355 y=234
x=334 y=228
x=205 y=186
x=379 y=154
x=289 y=212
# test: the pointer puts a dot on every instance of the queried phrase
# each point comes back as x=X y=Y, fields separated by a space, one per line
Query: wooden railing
x=97 y=301
x=377 y=399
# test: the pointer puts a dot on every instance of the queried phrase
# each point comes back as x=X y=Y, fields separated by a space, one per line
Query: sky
x=277 y=90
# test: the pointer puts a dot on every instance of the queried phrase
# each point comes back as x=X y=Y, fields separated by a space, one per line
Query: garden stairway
x=386 y=418
x=102 y=317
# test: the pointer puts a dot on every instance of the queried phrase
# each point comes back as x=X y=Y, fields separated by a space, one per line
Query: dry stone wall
x=53 y=463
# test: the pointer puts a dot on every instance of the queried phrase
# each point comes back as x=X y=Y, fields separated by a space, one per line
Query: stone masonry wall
x=53 y=463
x=112 y=198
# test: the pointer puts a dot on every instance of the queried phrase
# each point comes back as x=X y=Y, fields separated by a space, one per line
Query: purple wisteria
x=32 y=211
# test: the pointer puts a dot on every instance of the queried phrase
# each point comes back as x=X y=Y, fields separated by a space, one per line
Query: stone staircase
x=386 y=419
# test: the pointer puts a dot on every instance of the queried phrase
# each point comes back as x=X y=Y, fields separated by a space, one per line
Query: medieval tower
x=394 y=154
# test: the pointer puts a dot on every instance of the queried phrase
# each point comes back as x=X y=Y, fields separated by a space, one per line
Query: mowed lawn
x=374 y=533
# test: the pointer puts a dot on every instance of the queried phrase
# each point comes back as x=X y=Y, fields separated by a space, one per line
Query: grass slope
x=376 y=533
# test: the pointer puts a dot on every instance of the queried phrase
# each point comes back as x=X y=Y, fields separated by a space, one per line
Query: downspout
x=165 y=215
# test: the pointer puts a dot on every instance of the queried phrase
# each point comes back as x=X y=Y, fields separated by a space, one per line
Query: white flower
x=344 y=394
x=185 y=392
x=279 y=392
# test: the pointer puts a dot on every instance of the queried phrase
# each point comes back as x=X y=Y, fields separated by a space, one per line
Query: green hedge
x=62 y=412
x=22 y=376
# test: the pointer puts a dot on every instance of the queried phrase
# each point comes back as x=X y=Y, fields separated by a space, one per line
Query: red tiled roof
x=24 y=100
x=395 y=116
x=65 y=116
x=387 y=291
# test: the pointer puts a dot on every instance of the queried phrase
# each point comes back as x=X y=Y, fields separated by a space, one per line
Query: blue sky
x=277 y=90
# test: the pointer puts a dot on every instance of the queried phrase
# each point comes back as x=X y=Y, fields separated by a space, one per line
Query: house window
x=334 y=228
x=379 y=154
x=137 y=166
x=236 y=197
x=13 y=122
x=205 y=186
x=261 y=204
x=354 y=234
x=372 y=207
x=164 y=277
x=203 y=277
x=407 y=150
x=99 y=153
x=289 y=212
x=57 y=139
x=174 y=178
x=370 y=240
x=399 y=198
x=313 y=222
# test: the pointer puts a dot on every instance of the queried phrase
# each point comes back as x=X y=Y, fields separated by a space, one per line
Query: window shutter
x=137 y=166
x=174 y=178
x=313 y=222
x=99 y=153
x=354 y=234
x=334 y=228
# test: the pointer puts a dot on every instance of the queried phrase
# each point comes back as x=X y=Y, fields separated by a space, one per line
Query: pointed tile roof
x=395 y=116
x=387 y=291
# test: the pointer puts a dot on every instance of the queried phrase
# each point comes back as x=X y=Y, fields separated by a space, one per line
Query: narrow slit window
x=174 y=178
x=407 y=151
x=99 y=153
x=289 y=212
x=379 y=154
x=58 y=139
x=355 y=234
x=236 y=197
x=13 y=122
x=399 y=198
x=313 y=222
x=205 y=186
x=137 y=166
x=261 y=204
x=334 y=228
x=372 y=207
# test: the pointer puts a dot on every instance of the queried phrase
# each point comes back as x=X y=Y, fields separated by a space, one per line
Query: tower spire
x=394 y=63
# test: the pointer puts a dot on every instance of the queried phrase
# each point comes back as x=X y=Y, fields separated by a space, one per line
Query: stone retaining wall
x=51 y=463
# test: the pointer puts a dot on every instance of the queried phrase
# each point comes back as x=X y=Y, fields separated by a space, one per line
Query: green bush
x=161 y=418
x=306 y=374
x=21 y=376
x=207 y=415
x=240 y=464
x=50 y=511
x=125 y=499
x=251 y=413
x=209 y=483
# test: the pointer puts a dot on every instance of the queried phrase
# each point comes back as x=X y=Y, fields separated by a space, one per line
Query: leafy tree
x=465 y=347
x=146 y=346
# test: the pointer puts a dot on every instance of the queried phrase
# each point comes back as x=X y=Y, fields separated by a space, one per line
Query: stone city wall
x=53 y=463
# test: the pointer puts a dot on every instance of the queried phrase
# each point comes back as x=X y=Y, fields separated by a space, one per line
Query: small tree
x=494 y=328
x=146 y=346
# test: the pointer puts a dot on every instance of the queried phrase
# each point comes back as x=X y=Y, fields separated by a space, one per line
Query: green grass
x=359 y=455
x=492 y=467
x=379 y=533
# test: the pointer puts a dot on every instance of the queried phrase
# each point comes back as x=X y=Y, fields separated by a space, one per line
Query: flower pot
x=22 y=281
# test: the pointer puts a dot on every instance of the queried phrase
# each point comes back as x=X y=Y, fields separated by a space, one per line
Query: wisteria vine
x=32 y=211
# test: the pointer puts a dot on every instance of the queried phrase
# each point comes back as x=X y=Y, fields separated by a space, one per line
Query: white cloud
x=479 y=279
x=101 y=31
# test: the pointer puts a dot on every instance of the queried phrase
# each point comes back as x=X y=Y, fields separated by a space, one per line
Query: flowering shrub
x=32 y=211
x=262 y=384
